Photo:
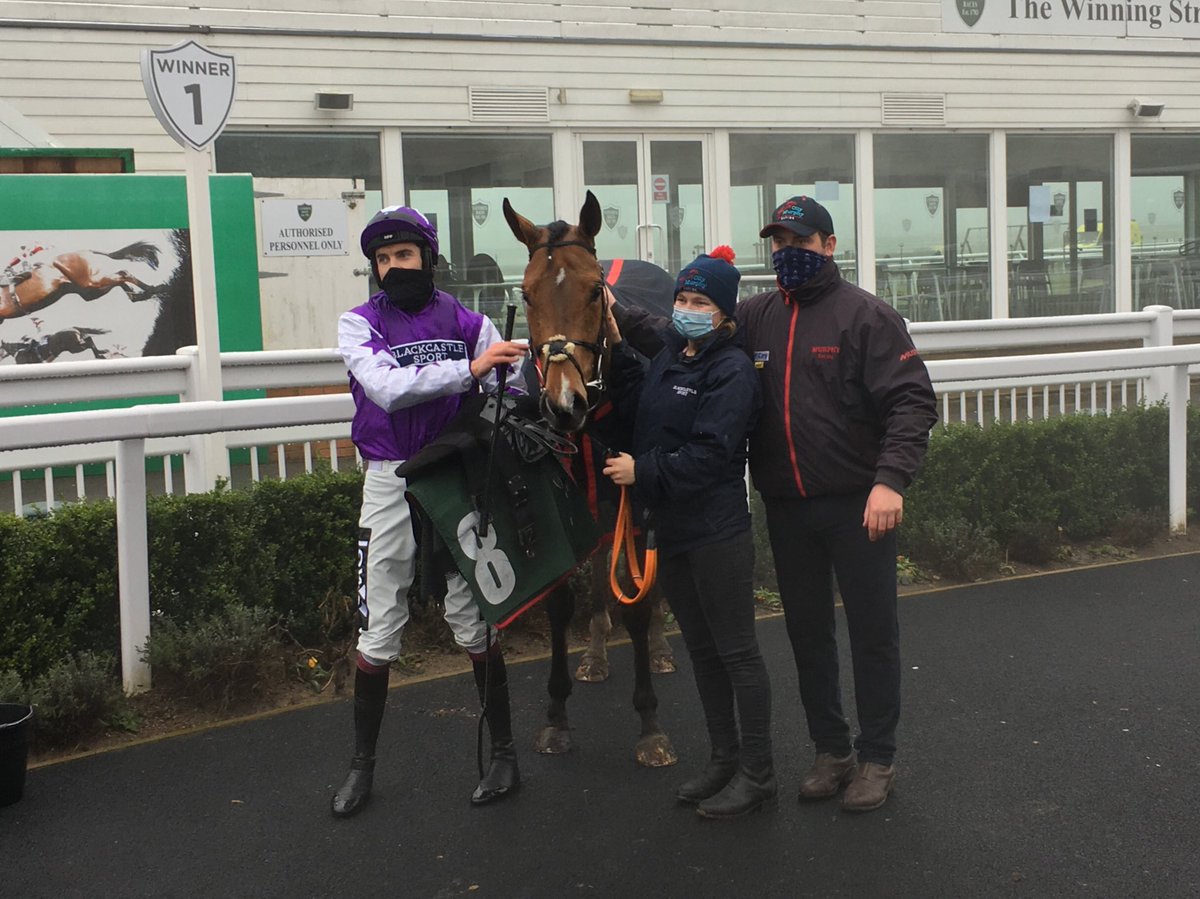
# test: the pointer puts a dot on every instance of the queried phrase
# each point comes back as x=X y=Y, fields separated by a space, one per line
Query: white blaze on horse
x=33 y=281
x=563 y=289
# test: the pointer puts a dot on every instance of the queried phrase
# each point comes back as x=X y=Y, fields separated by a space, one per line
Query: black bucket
x=16 y=725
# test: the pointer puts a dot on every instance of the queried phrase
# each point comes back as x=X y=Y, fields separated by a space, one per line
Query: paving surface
x=1048 y=748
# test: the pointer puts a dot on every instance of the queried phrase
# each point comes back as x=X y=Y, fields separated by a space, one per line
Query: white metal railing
x=132 y=433
x=961 y=399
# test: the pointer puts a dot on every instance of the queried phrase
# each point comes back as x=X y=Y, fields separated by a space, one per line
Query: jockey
x=413 y=353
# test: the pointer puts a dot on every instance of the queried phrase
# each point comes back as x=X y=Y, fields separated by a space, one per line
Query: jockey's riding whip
x=484 y=517
x=501 y=379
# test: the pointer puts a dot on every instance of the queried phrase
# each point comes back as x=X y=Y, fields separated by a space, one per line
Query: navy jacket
x=691 y=419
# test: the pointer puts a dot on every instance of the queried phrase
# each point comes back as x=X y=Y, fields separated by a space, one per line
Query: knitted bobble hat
x=713 y=275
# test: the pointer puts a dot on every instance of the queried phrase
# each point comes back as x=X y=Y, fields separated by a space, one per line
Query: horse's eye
x=525 y=298
x=598 y=292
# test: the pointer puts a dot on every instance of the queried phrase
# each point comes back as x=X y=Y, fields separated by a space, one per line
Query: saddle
x=538 y=526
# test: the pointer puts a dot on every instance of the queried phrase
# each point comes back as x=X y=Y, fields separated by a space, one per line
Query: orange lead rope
x=643 y=580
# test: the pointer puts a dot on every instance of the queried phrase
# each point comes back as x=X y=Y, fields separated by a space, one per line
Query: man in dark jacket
x=847 y=410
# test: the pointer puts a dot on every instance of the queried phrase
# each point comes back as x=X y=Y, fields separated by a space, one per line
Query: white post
x=213 y=463
x=1162 y=334
x=1177 y=452
x=133 y=566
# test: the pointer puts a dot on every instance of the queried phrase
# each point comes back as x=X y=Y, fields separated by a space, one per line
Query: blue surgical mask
x=795 y=266
x=692 y=325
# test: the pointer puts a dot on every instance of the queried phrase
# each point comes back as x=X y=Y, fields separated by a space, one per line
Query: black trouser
x=811 y=539
x=711 y=593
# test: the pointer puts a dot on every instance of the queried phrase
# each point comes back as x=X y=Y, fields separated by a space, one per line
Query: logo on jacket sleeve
x=761 y=358
x=426 y=352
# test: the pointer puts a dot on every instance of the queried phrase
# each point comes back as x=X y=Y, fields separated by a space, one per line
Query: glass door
x=652 y=196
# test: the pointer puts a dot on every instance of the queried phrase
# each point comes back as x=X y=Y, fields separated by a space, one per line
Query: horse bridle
x=560 y=348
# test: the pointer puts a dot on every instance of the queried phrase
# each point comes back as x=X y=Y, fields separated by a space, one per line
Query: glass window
x=931 y=225
x=460 y=182
x=301 y=156
x=766 y=169
x=1059 y=197
x=1166 y=220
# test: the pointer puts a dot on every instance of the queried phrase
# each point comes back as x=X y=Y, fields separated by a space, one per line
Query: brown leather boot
x=827 y=775
x=870 y=787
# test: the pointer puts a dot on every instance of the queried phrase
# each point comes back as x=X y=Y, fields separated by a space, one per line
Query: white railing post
x=133 y=563
x=1177 y=452
x=1162 y=333
x=193 y=459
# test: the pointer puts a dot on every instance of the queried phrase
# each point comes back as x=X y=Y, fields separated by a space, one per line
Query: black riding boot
x=502 y=777
x=709 y=782
x=748 y=791
x=370 y=697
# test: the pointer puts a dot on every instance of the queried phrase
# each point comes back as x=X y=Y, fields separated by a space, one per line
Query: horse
x=642 y=284
x=87 y=273
x=46 y=349
x=563 y=290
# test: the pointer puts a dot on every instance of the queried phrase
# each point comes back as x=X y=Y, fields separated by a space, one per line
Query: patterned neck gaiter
x=795 y=266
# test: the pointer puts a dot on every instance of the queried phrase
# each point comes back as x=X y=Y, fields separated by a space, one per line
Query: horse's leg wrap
x=370 y=699
x=491 y=678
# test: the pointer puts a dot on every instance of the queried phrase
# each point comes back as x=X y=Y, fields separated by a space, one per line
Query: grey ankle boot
x=748 y=791
x=708 y=783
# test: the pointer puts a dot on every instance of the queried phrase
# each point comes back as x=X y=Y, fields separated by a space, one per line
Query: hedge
x=983 y=495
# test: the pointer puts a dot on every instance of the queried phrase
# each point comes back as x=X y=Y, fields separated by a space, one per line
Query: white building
x=971 y=152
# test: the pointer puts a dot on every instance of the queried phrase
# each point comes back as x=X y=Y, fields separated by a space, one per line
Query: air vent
x=509 y=104
x=914 y=109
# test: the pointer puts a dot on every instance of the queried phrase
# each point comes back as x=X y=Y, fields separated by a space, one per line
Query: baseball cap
x=800 y=215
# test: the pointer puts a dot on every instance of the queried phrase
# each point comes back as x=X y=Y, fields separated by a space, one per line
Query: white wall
x=746 y=65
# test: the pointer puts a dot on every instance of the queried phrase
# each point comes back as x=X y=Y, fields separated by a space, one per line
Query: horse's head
x=564 y=305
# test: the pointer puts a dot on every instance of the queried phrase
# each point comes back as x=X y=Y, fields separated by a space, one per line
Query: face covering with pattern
x=692 y=325
x=795 y=266
x=408 y=289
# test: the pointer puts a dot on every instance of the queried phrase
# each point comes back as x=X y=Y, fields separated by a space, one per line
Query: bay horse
x=47 y=349
x=86 y=273
x=563 y=290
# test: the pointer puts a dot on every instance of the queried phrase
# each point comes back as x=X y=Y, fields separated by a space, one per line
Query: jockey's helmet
x=400 y=224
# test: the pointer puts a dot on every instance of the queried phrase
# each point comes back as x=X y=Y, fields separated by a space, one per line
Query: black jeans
x=710 y=589
x=811 y=539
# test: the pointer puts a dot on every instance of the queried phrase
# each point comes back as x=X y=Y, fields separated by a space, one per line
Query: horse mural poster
x=99 y=267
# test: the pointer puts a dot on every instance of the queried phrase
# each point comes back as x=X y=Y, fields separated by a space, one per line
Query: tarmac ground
x=1048 y=747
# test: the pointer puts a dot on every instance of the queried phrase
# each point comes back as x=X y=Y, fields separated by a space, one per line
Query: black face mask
x=408 y=289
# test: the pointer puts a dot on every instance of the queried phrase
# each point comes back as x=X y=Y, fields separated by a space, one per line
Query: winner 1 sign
x=190 y=89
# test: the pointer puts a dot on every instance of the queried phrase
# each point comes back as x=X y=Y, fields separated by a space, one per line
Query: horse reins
x=643 y=577
x=560 y=348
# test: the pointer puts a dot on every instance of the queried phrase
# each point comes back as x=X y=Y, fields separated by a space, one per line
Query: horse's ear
x=589 y=216
x=522 y=228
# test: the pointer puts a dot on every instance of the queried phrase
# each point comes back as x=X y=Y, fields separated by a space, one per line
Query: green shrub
x=12 y=688
x=953 y=547
x=77 y=698
x=217 y=658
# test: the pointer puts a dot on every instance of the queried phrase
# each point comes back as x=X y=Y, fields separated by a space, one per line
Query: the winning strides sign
x=1112 y=18
x=190 y=89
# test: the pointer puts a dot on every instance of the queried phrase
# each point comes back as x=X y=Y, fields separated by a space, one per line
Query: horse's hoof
x=663 y=664
x=553 y=740
x=655 y=751
x=592 y=670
